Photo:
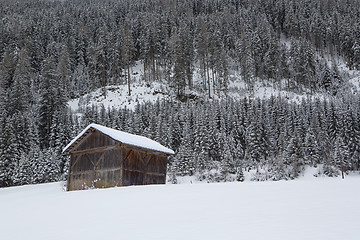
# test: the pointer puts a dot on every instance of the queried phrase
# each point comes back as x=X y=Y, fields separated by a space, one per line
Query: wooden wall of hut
x=141 y=167
x=100 y=162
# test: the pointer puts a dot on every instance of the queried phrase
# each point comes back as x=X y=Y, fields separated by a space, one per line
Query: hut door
x=108 y=170
x=81 y=172
x=134 y=168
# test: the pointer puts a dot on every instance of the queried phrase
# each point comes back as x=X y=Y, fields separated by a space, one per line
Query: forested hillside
x=54 y=51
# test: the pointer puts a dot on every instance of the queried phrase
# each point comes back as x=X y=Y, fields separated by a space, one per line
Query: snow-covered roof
x=124 y=137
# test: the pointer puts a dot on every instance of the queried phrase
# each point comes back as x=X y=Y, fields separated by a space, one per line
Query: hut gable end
x=93 y=140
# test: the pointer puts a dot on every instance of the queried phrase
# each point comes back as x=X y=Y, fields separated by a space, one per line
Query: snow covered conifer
x=341 y=156
x=46 y=101
x=227 y=162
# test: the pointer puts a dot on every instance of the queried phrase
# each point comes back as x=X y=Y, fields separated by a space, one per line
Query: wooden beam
x=79 y=141
x=70 y=171
x=156 y=174
x=141 y=158
x=97 y=149
x=145 y=173
x=100 y=159
x=92 y=171
x=146 y=162
x=127 y=155
x=145 y=150
x=119 y=155
x=74 y=163
x=120 y=152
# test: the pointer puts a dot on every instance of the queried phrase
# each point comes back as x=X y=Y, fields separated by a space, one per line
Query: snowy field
x=319 y=208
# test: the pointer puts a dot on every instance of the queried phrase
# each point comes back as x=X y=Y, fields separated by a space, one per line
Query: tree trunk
x=128 y=73
x=208 y=77
x=213 y=78
x=153 y=68
x=145 y=70
x=204 y=70
x=157 y=70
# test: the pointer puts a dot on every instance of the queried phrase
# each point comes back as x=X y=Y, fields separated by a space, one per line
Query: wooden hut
x=102 y=157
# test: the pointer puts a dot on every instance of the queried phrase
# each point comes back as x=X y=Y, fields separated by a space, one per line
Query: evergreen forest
x=55 y=51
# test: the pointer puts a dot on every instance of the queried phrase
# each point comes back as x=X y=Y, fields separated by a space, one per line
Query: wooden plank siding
x=99 y=161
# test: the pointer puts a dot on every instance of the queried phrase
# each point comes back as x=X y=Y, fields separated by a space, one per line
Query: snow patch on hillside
x=356 y=84
x=266 y=90
x=117 y=95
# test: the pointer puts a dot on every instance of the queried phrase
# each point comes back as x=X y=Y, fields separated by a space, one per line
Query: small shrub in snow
x=327 y=170
x=239 y=174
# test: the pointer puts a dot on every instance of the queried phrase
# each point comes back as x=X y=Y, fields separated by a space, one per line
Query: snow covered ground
x=356 y=84
x=117 y=96
x=308 y=208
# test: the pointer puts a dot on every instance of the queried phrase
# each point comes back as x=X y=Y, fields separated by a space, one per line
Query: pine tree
x=356 y=54
x=46 y=167
x=240 y=174
x=341 y=156
x=292 y=157
x=20 y=95
x=63 y=70
x=24 y=171
x=227 y=164
x=185 y=156
x=179 y=73
x=311 y=151
x=47 y=104
x=7 y=70
x=10 y=154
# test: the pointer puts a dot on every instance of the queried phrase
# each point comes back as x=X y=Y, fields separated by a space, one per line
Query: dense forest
x=53 y=51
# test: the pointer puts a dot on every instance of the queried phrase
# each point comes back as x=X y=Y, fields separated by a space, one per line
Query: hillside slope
x=141 y=92
x=321 y=208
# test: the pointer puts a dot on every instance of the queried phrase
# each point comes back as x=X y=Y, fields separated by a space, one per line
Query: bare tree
x=126 y=52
